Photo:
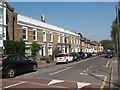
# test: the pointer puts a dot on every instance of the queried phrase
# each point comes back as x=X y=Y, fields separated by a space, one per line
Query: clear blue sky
x=92 y=19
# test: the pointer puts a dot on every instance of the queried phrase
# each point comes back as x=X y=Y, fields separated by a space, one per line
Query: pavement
x=114 y=73
x=43 y=64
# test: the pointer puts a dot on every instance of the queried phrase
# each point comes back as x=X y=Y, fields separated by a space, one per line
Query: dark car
x=82 y=55
x=76 y=56
x=14 y=64
x=89 y=54
x=108 y=55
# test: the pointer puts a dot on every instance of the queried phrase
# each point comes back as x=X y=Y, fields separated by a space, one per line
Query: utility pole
x=118 y=43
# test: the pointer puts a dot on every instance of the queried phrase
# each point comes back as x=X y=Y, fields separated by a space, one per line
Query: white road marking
x=91 y=67
x=14 y=85
x=82 y=84
x=100 y=75
x=83 y=73
x=61 y=71
x=55 y=81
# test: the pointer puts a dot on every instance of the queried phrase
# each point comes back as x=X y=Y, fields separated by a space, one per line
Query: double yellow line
x=105 y=79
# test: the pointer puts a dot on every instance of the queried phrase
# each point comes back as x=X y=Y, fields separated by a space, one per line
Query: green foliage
x=35 y=47
x=14 y=47
x=114 y=31
x=107 y=44
x=56 y=51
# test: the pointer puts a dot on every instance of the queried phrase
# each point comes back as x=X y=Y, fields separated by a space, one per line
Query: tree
x=35 y=47
x=114 y=32
x=56 y=51
x=107 y=44
x=14 y=47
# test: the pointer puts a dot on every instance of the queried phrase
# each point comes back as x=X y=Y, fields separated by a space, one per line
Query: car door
x=26 y=64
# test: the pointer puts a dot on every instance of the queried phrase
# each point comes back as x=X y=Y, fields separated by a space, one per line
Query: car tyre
x=66 y=61
x=35 y=68
x=10 y=73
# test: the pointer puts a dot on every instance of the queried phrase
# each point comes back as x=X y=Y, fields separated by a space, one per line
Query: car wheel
x=66 y=61
x=10 y=73
x=35 y=67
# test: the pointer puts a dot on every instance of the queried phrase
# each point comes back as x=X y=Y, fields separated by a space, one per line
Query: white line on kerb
x=14 y=85
x=60 y=71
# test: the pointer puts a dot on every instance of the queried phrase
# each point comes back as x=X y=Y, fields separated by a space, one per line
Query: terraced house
x=49 y=36
x=27 y=29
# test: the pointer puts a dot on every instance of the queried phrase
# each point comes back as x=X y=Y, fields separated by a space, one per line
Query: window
x=44 y=36
x=35 y=35
x=74 y=40
x=51 y=37
x=67 y=39
x=1 y=12
x=25 y=36
x=58 y=38
x=63 y=39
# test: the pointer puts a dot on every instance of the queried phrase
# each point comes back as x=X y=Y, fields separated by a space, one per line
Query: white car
x=85 y=55
x=64 y=58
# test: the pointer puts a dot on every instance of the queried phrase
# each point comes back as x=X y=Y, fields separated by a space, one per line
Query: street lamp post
x=118 y=43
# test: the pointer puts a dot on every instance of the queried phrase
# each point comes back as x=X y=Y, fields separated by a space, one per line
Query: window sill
x=25 y=39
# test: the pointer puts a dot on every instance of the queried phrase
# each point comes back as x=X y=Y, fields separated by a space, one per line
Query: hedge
x=14 y=47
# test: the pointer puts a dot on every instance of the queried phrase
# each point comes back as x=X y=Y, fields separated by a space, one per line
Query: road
x=91 y=71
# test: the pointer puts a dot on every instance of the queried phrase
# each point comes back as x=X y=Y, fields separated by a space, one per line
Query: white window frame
x=74 y=40
x=63 y=39
x=58 y=38
x=44 y=36
x=35 y=34
x=51 y=37
x=26 y=33
x=67 y=39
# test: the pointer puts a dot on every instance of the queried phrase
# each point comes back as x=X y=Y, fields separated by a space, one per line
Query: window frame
x=26 y=33
x=44 y=36
x=35 y=34
x=51 y=37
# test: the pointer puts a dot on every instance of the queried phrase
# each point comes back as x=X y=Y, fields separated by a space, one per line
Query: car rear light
x=64 y=56
x=4 y=58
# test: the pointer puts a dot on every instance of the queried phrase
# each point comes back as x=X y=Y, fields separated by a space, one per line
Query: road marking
x=14 y=85
x=100 y=75
x=103 y=84
x=91 y=67
x=107 y=63
x=83 y=73
x=60 y=71
x=82 y=84
x=55 y=81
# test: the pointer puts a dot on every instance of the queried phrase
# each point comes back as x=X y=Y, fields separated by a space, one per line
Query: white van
x=64 y=57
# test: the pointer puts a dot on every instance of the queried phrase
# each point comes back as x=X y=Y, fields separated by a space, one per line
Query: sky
x=92 y=19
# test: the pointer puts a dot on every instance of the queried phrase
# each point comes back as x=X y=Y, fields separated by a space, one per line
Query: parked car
x=108 y=55
x=76 y=56
x=14 y=64
x=89 y=54
x=82 y=55
x=86 y=55
x=99 y=53
x=64 y=58
x=94 y=54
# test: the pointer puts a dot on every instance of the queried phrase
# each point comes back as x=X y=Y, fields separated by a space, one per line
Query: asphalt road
x=93 y=70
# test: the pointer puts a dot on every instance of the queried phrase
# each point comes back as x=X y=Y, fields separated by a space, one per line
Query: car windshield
x=60 y=55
